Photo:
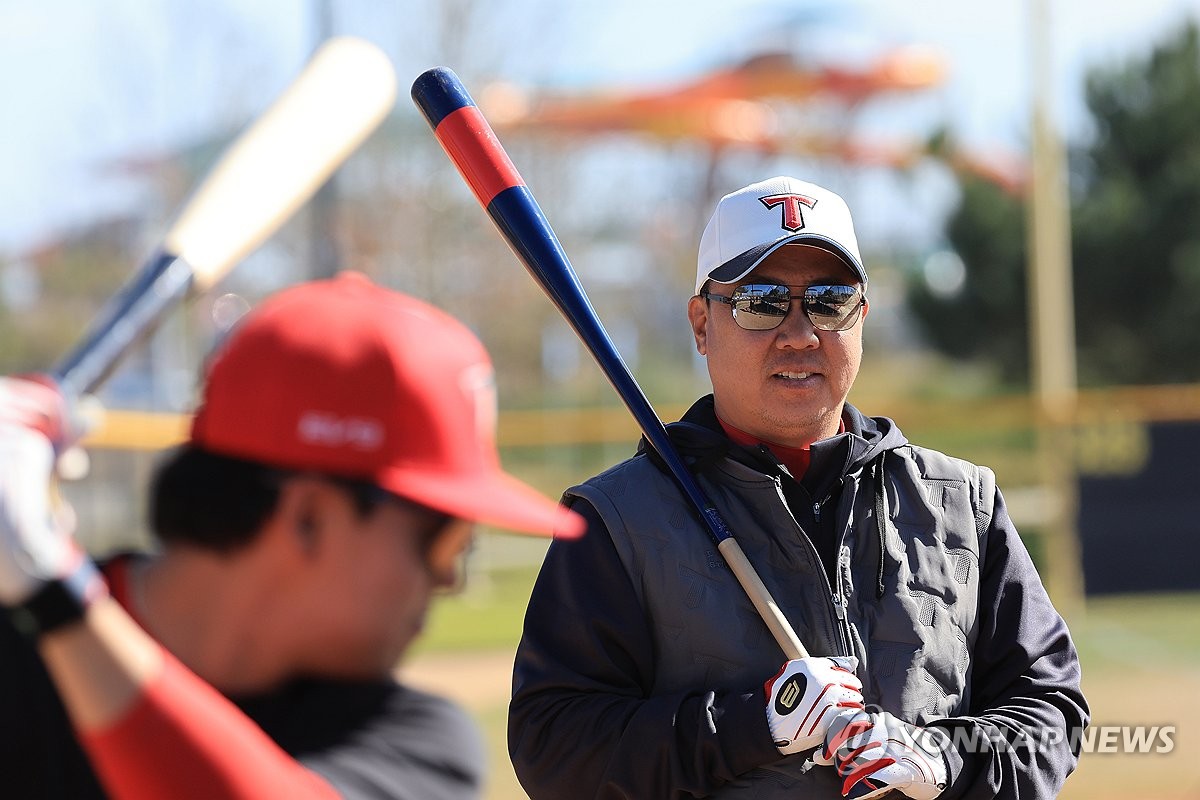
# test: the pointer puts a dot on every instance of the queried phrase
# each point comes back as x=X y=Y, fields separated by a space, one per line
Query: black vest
x=904 y=599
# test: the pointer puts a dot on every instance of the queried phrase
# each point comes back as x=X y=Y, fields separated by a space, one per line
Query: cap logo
x=478 y=383
x=331 y=430
x=793 y=220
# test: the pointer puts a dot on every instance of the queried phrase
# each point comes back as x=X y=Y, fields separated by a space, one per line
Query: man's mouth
x=793 y=376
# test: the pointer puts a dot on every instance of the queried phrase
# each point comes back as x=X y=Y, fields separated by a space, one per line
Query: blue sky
x=84 y=82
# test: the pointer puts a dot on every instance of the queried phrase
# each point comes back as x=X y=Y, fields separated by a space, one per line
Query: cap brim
x=492 y=498
x=743 y=264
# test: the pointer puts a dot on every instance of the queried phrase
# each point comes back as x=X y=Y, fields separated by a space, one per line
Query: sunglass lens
x=831 y=308
x=760 y=307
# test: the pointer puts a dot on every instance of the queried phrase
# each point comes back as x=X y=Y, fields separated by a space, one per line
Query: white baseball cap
x=754 y=222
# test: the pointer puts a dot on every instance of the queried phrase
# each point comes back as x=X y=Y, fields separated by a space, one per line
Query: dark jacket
x=371 y=740
x=640 y=670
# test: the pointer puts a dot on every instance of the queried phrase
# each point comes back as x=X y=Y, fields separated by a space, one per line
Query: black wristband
x=60 y=602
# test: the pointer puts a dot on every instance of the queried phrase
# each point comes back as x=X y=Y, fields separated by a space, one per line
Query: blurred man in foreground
x=342 y=454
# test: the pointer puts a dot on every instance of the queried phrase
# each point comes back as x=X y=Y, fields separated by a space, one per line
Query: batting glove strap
x=59 y=602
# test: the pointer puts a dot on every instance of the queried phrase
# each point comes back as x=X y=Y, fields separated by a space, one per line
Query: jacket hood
x=867 y=438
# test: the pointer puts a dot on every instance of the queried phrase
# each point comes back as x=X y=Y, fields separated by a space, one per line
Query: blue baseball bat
x=476 y=152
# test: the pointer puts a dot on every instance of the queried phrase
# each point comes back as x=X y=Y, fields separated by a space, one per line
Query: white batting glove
x=44 y=574
x=806 y=696
x=877 y=753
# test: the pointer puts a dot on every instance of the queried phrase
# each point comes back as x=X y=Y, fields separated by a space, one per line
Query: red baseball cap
x=347 y=378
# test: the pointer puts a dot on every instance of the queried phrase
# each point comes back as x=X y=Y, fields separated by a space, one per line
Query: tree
x=1137 y=220
x=986 y=318
x=1135 y=236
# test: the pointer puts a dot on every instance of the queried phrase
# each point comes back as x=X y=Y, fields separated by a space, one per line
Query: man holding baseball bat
x=939 y=666
x=333 y=476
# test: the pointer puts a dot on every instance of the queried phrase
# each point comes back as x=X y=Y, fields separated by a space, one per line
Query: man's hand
x=877 y=753
x=33 y=401
x=36 y=545
x=806 y=696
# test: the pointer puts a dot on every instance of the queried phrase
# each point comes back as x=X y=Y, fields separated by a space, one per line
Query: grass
x=1133 y=629
x=1141 y=666
x=1140 y=657
x=486 y=616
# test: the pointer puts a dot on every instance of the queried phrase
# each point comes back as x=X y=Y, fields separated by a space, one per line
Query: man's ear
x=698 y=317
x=445 y=553
x=299 y=513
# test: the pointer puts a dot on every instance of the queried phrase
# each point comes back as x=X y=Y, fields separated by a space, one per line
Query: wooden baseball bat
x=274 y=167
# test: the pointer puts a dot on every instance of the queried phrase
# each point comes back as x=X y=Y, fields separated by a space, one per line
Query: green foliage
x=1137 y=220
x=987 y=318
x=1135 y=237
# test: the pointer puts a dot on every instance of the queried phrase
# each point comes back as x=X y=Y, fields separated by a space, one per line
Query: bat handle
x=727 y=545
x=757 y=591
x=128 y=317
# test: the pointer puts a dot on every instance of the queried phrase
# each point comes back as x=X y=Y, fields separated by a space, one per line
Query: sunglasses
x=762 y=306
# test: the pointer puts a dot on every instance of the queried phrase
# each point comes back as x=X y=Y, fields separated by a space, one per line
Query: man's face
x=786 y=385
x=381 y=571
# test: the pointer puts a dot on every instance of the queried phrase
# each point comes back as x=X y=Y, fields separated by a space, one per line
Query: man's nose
x=796 y=330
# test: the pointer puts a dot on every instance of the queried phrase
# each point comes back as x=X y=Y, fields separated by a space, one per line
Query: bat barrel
x=260 y=180
x=464 y=134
